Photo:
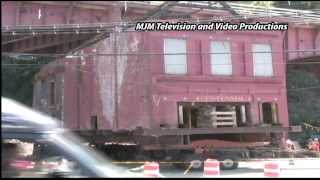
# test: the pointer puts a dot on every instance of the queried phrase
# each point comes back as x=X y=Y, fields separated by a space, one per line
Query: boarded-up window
x=52 y=93
x=175 y=64
x=262 y=60
x=221 y=64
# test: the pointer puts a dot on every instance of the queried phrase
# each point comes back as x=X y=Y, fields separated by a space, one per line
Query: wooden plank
x=224 y=123
x=225 y=118
x=167 y=147
x=226 y=144
x=223 y=113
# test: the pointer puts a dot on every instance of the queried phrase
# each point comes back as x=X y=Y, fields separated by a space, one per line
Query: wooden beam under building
x=221 y=130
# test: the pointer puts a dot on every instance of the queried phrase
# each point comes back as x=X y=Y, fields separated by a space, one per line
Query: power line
x=259 y=63
x=155 y=53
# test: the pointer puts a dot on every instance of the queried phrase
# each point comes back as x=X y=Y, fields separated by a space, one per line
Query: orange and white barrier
x=272 y=169
x=22 y=164
x=151 y=169
x=211 y=168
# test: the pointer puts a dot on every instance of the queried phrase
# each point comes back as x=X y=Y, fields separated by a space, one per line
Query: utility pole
x=115 y=123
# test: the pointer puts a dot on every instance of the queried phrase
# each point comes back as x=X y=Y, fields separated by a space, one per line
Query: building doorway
x=94 y=122
x=211 y=115
x=269 y=113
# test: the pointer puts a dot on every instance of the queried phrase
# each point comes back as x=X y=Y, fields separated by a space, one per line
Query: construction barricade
x=272 y=169
x=211 y=168
x=151 y=169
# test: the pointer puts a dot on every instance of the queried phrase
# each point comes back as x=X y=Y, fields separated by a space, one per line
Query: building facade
x=173 y=79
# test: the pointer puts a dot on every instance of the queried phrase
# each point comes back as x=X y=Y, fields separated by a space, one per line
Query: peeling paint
x=105 y=82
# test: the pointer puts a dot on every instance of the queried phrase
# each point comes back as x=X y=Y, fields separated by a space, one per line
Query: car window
x=22 y=158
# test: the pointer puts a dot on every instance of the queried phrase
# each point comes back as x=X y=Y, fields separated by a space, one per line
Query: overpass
x=52 y=27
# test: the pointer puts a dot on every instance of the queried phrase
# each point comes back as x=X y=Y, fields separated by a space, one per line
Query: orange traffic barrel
x=211 y=168
x=272 y=169
x=151 y=169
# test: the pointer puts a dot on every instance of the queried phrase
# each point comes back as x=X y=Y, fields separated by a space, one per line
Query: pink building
x=154 y=89
x=130 y=80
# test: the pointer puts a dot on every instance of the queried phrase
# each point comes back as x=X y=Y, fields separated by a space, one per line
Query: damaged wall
x=132 y=81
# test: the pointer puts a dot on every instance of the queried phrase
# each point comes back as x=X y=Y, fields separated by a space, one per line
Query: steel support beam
x=157 y=11
x=229 y=8
x=15 y=40
x=56 y=41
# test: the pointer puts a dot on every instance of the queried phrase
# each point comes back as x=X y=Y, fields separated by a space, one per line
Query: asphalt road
x=301 y=168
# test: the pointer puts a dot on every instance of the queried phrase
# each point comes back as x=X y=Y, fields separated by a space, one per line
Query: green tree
x=303 y=100
x=17 y=77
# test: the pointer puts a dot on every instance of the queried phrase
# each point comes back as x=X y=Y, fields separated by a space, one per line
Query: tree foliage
x=17 y=77
x=303 y=100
